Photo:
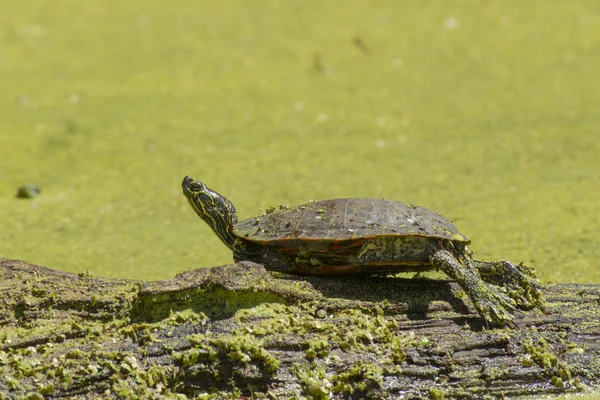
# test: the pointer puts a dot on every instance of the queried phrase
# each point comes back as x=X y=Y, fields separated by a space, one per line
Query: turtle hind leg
x=519 y=281
x=489 y=301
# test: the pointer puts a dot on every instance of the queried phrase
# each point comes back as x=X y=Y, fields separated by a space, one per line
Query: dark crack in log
x=239 y=331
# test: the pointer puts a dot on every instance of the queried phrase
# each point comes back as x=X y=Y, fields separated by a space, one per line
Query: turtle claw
x=512 y=325
x=494 y=306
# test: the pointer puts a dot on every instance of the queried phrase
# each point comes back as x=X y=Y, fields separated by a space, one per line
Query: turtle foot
x=490 y=301
x=519 y=282
x=493 y=305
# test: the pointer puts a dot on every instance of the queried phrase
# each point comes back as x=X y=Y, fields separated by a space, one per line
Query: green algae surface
x=485 y=112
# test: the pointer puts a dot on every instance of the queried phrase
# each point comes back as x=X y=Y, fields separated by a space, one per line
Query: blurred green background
x=486 y=112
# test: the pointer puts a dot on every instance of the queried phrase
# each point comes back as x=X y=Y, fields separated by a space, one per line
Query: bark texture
x=239 y=331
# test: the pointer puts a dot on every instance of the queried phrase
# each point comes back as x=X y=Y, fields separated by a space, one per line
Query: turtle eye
x=197 y=186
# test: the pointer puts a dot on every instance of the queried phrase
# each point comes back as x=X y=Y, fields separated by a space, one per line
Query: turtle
x=364 y=236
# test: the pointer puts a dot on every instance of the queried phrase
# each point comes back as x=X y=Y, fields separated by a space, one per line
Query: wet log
x=239 y=331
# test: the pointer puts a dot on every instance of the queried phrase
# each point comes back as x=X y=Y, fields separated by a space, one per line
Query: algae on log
x=239 y=331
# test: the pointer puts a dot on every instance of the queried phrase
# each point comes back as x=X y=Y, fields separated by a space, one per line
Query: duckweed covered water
x=485 y=112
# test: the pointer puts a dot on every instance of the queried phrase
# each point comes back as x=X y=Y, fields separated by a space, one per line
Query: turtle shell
x=344 y=220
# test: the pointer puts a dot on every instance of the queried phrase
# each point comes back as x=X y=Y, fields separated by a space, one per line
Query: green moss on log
x=238 y=331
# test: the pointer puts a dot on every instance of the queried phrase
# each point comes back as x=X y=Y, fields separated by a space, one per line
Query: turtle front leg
x=519 y=281
x=489 y=301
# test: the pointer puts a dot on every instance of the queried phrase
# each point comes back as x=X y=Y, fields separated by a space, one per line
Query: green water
x=486 y=112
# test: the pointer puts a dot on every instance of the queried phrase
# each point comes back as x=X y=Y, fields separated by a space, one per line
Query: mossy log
x=239 y=331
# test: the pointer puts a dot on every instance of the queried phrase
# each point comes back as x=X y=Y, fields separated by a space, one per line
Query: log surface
x=239 y=331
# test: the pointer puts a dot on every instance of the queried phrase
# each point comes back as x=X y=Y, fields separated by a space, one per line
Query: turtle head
x=214 y=209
